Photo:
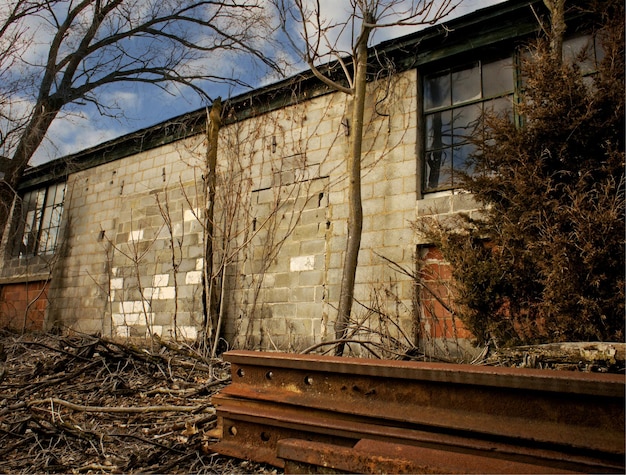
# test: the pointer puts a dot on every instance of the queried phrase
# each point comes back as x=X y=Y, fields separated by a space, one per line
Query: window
x=454 y=100
x=585 y=51
x=38 y=230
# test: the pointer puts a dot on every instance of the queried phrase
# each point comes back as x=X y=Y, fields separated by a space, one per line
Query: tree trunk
x=355 y=212
x=557 y=27
x=210 y=287
x=34 y=132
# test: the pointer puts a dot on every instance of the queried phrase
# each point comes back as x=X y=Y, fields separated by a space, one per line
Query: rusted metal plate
x=489 y=407
x=611 y=385
x=371 y=456
x=263 y=424
x=557 y=420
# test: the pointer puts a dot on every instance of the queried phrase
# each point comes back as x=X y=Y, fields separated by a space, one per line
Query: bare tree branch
x=82 y=46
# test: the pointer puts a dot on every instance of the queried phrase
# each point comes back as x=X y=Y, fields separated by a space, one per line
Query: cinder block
x=188 y=332
x=277 y=295
x=193 y=278
x=308 y=310
x=160 y=280
x=311 y=278
x=167 y=293
x=122 y=331
x=302 y=263
x=302 y=294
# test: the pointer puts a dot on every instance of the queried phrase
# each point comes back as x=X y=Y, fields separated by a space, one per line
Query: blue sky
x=143 y=106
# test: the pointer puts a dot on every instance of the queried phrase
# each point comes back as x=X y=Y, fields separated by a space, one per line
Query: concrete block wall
x=117 y=274
x=289 y=301
x=131 y=268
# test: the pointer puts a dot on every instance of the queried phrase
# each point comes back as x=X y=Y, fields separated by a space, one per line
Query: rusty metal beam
x=373 y=456
x=556 y=420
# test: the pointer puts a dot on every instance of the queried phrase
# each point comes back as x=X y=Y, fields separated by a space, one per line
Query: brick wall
x=23 y=305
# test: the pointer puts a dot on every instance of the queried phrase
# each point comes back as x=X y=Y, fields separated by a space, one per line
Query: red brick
x=15 y=312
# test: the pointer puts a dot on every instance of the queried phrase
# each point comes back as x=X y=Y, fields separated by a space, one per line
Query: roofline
x=435 y=42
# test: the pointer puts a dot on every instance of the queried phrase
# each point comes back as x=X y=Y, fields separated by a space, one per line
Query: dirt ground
x=85 y=404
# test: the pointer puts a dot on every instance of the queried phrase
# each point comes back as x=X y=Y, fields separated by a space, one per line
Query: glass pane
x=437 y=91
x=43 y=241
x=57 y=211
x=438 y=168
x=29 y=202
x=498 y=77
x=47 y=215
x=466 y=84
x=41 y=196
x=461 y=155
x=466 y=121
x=28 y=238
x=438 y=130
x=599 y=50
x=501 y=107
x=57 y=194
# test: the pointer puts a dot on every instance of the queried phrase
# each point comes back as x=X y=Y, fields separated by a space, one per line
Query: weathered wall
x=132 y=255
x=117 y=274
x=133 y=250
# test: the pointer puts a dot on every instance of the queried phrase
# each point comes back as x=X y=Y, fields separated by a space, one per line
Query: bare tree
x=84 y=45
x=318 y=39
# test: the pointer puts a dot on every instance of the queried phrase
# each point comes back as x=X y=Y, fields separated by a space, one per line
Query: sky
x=144 y=106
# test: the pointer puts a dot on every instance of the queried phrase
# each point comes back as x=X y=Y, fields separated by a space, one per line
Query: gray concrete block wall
x=286 y=171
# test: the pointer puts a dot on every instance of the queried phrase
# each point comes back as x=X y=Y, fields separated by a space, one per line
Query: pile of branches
x=86 y=404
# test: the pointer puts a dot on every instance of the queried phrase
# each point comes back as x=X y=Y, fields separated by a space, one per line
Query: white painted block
x=117 y=283
x=118 y=319
x=135 y=236
x=193 y=277
x=160 y=280
x=122 y=331
x=200 y=263
x=134 y=319
x=166 y=293
x=302 y=263
x=133 y=306
x=190 y=215
x=188 y=332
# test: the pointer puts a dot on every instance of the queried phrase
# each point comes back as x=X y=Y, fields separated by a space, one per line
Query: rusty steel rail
x=363 y=415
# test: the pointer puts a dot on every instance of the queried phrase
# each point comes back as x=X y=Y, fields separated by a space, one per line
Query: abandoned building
x=114 y=239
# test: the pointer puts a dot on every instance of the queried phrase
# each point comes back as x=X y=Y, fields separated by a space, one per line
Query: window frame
x=513 y=51
x=449 y=68
x=38 y=220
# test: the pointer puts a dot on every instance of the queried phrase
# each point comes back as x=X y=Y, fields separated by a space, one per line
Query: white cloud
x=72 y=133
